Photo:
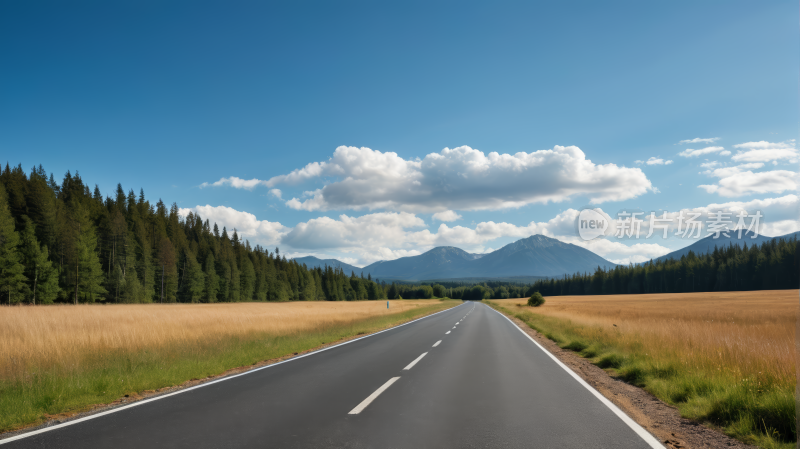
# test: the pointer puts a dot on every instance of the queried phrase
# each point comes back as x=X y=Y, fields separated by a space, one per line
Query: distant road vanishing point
x=464 y=377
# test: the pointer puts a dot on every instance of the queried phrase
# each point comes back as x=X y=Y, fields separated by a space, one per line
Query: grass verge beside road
x=726 y=359
x=61 y=360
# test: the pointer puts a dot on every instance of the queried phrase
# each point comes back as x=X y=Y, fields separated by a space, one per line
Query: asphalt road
x=484 y=384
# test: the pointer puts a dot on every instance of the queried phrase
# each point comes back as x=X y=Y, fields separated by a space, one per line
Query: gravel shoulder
x=659 y=418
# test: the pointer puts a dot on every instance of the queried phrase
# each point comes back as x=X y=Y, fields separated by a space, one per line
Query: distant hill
x=533 y=256
x=314 y=262
x=706 y=245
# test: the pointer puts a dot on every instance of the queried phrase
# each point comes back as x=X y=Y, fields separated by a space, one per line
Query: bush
x=536 y=300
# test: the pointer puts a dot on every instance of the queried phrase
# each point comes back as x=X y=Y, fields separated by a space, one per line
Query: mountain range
x=533 y=257
x=536 y=255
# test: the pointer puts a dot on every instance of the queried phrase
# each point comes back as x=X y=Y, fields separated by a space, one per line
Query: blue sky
x=167 y=96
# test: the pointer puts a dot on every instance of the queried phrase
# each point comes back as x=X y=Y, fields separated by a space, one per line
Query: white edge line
x=360 y=407
x=411 y=365
x=644 y=434
x=436 y=344
x=145 y=401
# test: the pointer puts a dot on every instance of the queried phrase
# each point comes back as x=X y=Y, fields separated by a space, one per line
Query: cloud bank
x=461 y=178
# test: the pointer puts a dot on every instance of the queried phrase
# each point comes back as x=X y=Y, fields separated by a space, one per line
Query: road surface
x=466 y=377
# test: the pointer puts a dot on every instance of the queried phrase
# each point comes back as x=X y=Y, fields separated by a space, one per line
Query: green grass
x=754 y=411
x=112 y=376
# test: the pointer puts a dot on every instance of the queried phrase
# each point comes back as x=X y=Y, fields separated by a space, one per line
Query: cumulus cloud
x=657 y=161
x=740 y=180
x=456 y=179
x=699 y=140
x=710 y=164
x=447 y=215
x=381 y=229
x=765 y=151
x=246 y=224
x=774 y=210
x=707 y=150
x=276 y=193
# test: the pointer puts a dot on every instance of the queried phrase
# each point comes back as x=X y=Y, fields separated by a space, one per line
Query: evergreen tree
x=248 y=280
x=194 y=283
x=12 y=278
x=42 y=276
x=212 y=280
x=90 y=272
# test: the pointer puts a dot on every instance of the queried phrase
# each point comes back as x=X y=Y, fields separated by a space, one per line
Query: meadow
x=57 y=360
x=726 y=358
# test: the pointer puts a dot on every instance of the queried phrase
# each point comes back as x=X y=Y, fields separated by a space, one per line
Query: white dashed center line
x=447 y=332
x=437 y=343
x=411 y=365
x=360 y=407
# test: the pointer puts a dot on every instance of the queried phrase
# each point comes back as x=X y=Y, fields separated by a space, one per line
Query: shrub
x=536 y=300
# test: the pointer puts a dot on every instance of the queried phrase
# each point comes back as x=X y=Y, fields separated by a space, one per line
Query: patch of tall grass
x=726 y=359
x=64 y=359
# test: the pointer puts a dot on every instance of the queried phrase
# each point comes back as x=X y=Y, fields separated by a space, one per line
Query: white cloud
x=457 y=179
x=707 y=150
x=618 y=252
x=765 y=151
x=638 y=162
x=699 y=140
x=372 y=232
x=710 y=164
x=276 y=193
x=740 y=180
x=774 y=210
x=657 y=161
x=233 y=181
x=725 y=172
x=447 y=215
x=246 y=224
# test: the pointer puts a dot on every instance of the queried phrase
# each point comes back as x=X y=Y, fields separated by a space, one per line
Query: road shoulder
x=657 y=417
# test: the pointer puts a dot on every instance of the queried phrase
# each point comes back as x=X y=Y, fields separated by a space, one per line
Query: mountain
x=533 y=256
x=540 y=256
x=314 y=262
x=442 y=262
x=706 y=245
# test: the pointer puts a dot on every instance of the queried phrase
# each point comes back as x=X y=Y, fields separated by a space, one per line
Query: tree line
x=773 y=265
x=457 y=290
x=67 y=243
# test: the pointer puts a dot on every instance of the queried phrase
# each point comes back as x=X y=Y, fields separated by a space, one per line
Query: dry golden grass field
x=56 y=359
x=727 y=358
x=65 y=335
